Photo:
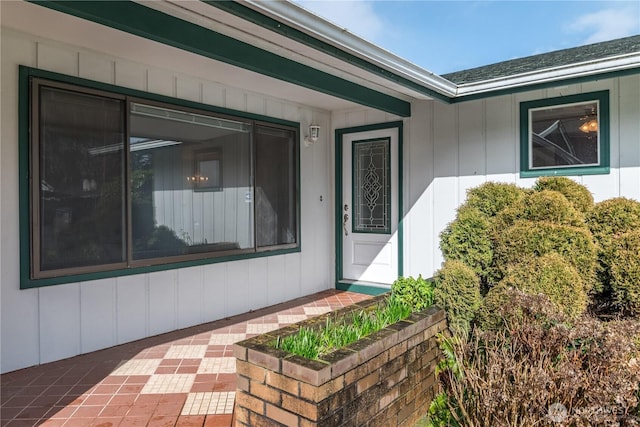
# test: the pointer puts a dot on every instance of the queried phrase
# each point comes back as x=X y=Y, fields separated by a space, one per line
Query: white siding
x=45 y=324
x=629 y=112
x=447 y=150
x=498 y=150
x=451 y=148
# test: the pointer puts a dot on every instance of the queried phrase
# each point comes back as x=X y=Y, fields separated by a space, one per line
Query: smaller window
x=565 y=136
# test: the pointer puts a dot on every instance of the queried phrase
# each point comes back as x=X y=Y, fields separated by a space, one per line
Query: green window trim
x=602 y=166
x=25 y=186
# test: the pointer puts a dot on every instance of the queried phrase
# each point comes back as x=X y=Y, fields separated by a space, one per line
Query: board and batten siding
x=449 y=149
x=51 y=323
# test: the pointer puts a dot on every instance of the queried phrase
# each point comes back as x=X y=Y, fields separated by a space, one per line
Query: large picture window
x=121 y=182
x=565 y=136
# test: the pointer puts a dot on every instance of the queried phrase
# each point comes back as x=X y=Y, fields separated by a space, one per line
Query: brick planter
x=385 y=379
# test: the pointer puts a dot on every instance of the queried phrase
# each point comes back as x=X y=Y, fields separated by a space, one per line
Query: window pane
x=565 y=136
x=191 y=183
x=276 y=178
x=81 y=168
x=372 y=186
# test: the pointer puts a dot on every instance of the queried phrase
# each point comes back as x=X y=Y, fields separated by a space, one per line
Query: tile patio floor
x=182 y=378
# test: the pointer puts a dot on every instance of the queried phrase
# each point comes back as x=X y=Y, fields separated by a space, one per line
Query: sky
x=447 y=36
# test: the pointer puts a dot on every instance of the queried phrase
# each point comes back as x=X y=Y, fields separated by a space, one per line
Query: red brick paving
x=87 y=391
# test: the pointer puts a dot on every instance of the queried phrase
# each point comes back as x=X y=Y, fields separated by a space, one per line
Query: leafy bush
x=527 y=238
x=491 y=197
x=468 y=239
x=551 y=275
x=457 y=291
x=625 y=272
x=607 y=221
x=515 y=376
x=545 y=205
x=415 y=293
x=613 y=217
x=576 y=194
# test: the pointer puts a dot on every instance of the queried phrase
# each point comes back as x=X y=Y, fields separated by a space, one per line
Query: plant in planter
x=372 y=362
x=313 y=343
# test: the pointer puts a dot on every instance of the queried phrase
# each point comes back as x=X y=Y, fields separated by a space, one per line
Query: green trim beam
x=151 y=24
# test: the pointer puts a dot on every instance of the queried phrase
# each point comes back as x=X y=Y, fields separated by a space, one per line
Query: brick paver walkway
x=183 y=378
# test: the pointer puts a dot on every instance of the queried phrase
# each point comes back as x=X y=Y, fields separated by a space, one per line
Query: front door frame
x=339 y=135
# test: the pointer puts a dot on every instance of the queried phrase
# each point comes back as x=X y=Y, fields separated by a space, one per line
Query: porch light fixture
x=312 y=137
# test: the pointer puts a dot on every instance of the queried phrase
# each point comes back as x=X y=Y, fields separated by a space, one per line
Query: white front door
x=369 y=206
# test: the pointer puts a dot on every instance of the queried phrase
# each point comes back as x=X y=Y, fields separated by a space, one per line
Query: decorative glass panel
x=371 y=186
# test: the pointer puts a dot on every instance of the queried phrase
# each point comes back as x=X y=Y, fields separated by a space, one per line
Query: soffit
x=50 y=25
x=220 y=21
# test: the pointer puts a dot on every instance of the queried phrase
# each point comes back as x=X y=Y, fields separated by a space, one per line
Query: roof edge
x=553 y=74
x=306 y=21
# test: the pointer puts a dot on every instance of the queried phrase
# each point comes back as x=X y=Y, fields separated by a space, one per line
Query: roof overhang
x=309 y=59
x=199 y=41
x=611 y=66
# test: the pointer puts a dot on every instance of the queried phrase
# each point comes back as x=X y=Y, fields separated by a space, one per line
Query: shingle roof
x=546 y=60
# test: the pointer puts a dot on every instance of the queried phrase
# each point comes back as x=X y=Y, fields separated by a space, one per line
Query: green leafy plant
x=545 y=205
x=457 y=291
x=578 y=195
x=608 y=221
x=552 y=275
x=527 y=238
x=491 y=197
x=625 y=272
x=439 y=414
x=468 y=239
x=314 y=343
x=417 y=293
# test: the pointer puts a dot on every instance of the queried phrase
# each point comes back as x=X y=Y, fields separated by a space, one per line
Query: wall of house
x=451 y=148
x=55 y=322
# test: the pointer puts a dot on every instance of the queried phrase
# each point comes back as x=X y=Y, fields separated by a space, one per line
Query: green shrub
x=491 y=197
x=527 y=238
x=468 y=239
x=544 y=205
x=625 y=272
x=576 y=194
x=613 y=217
x=457 y=291
x=552 y=275
x=607 y=221
x=415 y=293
